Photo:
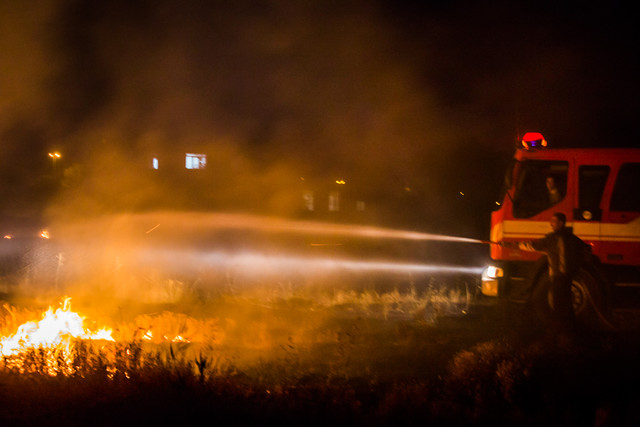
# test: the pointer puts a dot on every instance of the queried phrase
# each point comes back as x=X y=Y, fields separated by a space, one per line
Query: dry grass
x=315 y=356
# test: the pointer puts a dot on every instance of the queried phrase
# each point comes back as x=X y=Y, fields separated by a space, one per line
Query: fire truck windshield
x=539 y=184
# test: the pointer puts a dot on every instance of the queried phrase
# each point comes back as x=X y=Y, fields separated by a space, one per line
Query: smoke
x=170 y=257
x=407 y=105
x=416 y=108
x=272 y=93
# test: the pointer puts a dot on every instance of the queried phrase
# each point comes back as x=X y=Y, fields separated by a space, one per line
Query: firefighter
x=554 y=193
x=565 y=254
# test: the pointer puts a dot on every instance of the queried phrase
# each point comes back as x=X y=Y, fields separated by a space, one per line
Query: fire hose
x=595 y=307
x=601 y=316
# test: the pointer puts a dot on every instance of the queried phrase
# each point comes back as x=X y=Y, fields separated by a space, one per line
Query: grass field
x=414 y=352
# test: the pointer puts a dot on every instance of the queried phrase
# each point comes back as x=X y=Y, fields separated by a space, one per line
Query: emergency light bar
x=533 y=140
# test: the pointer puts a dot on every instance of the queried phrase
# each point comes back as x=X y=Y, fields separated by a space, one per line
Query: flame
x=178 y=338
x=148 y=336
x=53 y=334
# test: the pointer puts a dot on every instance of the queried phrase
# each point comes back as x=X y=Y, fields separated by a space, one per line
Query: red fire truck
x=598 y=189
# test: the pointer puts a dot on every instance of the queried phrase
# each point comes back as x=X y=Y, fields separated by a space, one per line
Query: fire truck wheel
x=587 y=299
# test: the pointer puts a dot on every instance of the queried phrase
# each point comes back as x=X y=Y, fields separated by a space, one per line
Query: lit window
x=307 y=198
x=195 y=161
x=334 y=201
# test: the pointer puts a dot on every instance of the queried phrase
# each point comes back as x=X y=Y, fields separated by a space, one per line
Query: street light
x=54 y=157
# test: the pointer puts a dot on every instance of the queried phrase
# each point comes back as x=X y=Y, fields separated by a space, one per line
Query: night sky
x=386 y=94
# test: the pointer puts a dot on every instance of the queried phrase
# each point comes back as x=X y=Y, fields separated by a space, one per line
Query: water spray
x=188 y=240
x=252 y=263
x=201 y=223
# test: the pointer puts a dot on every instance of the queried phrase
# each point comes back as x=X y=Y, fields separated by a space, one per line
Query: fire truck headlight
x=490 y=277
x=493 y=272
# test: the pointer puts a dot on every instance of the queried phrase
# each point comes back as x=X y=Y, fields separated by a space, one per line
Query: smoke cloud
x=415 y=108
x=407 y=105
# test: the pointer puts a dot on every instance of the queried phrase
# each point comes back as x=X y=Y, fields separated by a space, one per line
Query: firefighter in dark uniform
x=565 y=253
x=554 y=193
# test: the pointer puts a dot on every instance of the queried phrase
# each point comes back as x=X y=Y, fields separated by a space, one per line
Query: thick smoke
x=416 y=109
x=274 y=94
x=408 y=105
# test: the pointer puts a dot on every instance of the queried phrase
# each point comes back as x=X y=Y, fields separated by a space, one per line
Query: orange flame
x=53 y=334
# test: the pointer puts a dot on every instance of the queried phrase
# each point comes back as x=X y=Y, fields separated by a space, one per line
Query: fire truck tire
x=588 y=301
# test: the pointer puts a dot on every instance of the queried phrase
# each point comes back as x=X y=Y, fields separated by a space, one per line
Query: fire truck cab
x=598 y=189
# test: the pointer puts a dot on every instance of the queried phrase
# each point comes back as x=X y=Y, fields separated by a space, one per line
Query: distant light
x=8 y=237
x=55 y=155
x=195 y=161
x=45 y=234
x=341 y=181
x=461 y=193
x=155 y=163
x=497 y=203
x=334 y=201
x=308 y=199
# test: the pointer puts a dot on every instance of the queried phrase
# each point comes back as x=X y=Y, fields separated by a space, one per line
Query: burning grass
x=401 y=356
x=240 y=327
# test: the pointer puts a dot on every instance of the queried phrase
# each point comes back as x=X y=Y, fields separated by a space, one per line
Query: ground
x=418 y=354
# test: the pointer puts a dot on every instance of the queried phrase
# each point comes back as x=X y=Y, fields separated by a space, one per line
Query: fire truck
x=598 y=189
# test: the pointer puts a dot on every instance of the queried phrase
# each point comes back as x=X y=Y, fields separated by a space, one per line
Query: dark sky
x=386 y=93
x=569 y=72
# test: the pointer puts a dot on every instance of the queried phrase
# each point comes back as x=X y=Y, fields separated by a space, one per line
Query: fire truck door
x=588 y=214
x=621 y=222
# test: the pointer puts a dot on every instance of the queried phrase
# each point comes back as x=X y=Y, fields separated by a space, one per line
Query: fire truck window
x=626 y=193
x=591 y=185
x=506 y=184
x=534 y=185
